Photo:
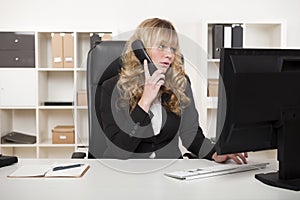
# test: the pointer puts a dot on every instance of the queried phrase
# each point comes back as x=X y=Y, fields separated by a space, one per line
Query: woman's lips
x=165 y=64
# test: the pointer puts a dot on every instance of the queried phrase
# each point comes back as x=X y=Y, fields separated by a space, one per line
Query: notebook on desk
x=64 y=170
x=216 y=170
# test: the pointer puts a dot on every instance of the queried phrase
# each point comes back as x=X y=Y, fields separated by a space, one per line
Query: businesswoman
x=143 y=115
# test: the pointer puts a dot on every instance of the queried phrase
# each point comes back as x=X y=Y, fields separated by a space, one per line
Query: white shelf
x=45 y=83
x=18 y=145
x=82 y=142
x=256 y=34
x=48 y=143
x=56 y=107
x=81 y=69
x=17 y=108
x=56 y=69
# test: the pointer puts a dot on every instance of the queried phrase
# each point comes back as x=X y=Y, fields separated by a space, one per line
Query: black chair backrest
x=103 y=62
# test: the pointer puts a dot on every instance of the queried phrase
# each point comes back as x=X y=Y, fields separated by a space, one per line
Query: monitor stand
x=288 y=148
x=274 y=180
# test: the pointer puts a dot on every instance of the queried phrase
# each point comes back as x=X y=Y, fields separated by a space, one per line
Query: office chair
x=103 y=62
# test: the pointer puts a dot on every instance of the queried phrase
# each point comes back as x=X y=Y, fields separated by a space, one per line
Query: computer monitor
x=259 y=108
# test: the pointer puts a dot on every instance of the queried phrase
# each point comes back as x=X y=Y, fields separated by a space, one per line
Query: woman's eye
x=165 y=48
x=162 y=47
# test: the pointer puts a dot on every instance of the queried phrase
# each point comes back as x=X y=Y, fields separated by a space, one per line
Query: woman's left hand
x=239 y=158
x=151 y=88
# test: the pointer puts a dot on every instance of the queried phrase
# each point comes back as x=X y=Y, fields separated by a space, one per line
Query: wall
x=122 y=16
x=125 y=15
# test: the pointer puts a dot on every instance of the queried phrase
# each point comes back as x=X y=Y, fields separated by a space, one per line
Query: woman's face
x=162 y=56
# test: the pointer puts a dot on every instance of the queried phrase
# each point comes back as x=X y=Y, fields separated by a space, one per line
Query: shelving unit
x=21 y=98
x=23 y=92
x=259 y=34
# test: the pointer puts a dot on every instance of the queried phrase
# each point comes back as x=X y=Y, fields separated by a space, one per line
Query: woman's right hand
x=151 y=87
x=239 y=158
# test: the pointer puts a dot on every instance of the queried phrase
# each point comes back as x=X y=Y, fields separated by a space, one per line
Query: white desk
x=138 y=179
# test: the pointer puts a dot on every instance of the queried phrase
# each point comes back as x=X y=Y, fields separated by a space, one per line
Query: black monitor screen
x=259 y=105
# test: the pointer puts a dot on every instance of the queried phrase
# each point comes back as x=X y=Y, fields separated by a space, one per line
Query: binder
x=68 y=49
x=57 y=50
x=18 y=138
x=227 y=36
x=237 y=36
x=217 y=43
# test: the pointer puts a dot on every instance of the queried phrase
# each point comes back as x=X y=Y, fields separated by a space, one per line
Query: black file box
x=237 y=36
x=17 y=49
x=218 y=40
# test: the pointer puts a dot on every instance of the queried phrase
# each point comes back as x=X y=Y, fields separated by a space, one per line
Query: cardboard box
x=57 y=50
x=82 y=98
x=68 y=48
x=63 y=134
x=106 y=36
x=213 y=87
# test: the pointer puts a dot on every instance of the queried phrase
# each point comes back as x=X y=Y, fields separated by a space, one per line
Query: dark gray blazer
x=130 y=135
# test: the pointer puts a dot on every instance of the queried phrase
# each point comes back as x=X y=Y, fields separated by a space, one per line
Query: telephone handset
x=140 y=52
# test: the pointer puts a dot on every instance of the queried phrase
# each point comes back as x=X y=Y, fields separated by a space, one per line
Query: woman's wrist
x=144 y=105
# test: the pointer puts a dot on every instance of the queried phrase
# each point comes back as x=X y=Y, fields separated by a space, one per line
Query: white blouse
x=156 y=121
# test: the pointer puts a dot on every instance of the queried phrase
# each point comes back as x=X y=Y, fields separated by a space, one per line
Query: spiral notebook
x=46 y=171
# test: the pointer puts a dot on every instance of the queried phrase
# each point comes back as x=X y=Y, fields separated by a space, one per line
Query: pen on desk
x=66 y=167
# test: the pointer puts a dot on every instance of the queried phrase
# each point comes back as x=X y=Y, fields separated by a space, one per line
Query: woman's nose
x=168 y=53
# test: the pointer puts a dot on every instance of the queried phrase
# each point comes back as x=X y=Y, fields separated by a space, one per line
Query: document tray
x=18 y=138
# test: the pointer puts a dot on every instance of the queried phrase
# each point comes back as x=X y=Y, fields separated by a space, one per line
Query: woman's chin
x=164 y=68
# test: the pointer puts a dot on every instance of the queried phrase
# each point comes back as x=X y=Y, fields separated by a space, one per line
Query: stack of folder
x=62 y=50
x=227 y=36
x=18 y=138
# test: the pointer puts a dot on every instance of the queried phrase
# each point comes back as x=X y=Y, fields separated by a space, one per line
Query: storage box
x=17 y=50
x=17 y=58
x=68 y=48
x=19 y=41
x=82 y=98
x=57 y=50
x=213 y=87
x=106 y=36
x=63 y=134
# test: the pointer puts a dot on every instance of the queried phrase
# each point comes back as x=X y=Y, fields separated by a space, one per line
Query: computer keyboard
x=216 y=170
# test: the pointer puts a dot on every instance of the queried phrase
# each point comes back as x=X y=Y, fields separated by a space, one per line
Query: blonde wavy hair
x=153 y=32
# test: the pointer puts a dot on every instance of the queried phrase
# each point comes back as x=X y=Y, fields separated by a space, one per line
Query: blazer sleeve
x=124 y=131
x=191 y=133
